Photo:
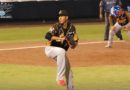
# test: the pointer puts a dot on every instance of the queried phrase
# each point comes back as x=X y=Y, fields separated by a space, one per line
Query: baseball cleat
x=61 y=82
x=108 y=46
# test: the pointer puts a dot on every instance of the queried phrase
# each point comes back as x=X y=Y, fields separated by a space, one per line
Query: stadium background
x=47 y=10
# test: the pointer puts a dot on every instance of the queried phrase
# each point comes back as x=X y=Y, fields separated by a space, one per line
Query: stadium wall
x=47 y=10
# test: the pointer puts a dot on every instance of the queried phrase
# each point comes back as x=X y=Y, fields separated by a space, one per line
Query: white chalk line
x=43 y=46
x=21 y=48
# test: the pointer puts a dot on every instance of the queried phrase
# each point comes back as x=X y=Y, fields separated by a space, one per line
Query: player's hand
x=58 y=39
x=101 y=16
x=62 y=38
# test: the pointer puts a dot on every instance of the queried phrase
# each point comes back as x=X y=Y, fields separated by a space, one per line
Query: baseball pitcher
x=61 y=36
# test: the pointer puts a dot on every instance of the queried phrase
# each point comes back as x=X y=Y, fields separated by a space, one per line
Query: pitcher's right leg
x=69 y=75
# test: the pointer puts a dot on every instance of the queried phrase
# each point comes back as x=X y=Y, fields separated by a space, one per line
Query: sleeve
x=75 y=36
x=72 y=37
x=119 y=3
x=101 y=3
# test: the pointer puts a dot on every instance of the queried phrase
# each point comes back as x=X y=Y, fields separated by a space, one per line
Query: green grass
x=103 y=78
x=30 y=33
x=90 y=31
x=23 y=34
x=22 y=77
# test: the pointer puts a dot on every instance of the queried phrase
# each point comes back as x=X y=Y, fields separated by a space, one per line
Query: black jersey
x=123 y=19
x=58 y=30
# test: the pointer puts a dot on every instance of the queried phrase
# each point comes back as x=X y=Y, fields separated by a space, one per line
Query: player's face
x=63 y=19
x=120 y=12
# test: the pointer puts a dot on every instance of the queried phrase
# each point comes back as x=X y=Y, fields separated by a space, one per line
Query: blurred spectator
x=128 y=8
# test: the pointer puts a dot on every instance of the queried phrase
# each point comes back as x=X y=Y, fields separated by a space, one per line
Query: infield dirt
x=92 y=54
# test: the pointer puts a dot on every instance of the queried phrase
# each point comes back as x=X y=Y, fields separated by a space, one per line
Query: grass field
x=21 y=77
x=27 y=77
x=30 y=33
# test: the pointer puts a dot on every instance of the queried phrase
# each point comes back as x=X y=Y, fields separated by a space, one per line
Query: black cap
x=63 y=13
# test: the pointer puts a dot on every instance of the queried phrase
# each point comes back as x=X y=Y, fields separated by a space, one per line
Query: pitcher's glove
x=72 y=40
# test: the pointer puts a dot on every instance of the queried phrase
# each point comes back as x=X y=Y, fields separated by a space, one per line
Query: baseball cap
x=63 y=13
x=115 y=10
